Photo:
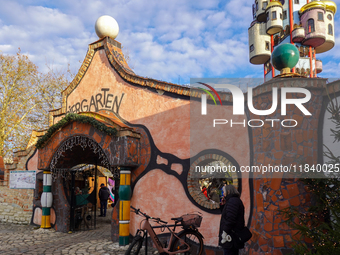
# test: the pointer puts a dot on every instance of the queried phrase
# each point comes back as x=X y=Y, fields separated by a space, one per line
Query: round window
x=329 y=16
x=207 y=175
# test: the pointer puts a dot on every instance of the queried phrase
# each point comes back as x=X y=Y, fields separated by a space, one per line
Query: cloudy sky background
x=168 y=40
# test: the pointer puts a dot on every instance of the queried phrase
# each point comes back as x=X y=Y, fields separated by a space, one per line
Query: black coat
x=104 y=194
x=232 y=218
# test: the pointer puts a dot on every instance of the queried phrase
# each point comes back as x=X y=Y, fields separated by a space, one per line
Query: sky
x=172 y=40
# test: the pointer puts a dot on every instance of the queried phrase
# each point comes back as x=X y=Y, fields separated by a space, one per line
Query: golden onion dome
x=330 y=6
x=273 y=3
x=315 y=4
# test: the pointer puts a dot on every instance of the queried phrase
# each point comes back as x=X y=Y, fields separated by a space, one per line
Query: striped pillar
x=124 y=205
x=46 y=200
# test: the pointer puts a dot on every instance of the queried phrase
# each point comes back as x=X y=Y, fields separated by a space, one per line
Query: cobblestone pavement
x=27 y=239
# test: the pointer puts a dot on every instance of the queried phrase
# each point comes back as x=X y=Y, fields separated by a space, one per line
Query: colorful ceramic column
x=124 y=205
x=46 y=200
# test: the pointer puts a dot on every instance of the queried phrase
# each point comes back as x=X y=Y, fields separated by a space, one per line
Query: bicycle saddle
x=177 y=219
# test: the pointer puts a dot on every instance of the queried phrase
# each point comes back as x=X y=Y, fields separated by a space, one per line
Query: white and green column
x=124 y=205
x=46 y=200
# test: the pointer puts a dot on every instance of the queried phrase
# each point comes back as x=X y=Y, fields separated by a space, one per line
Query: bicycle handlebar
x=138 y=211
x=159 y=220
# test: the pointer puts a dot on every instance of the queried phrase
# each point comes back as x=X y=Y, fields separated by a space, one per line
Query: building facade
x=138 y=129
x=309 y=25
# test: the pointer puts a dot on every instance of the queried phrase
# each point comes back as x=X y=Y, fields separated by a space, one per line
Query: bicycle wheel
x=191 y=237
x=135 y=246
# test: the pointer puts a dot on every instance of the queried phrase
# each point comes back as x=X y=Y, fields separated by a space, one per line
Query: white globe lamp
x=106 y=26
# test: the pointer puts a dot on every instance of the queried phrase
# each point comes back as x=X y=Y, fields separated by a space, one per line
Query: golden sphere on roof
x=274 y=3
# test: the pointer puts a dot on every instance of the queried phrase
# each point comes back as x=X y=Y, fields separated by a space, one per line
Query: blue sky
x=167 y=40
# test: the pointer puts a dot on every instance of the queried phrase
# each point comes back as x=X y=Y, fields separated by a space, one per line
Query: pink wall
x=168 y=120
x=32 y=163
x=160 y=195
x=137 y=103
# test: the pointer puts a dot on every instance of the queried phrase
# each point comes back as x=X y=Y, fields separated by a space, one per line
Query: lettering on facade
x=100 y=101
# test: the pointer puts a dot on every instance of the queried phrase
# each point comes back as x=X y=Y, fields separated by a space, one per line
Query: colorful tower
x=309 y=25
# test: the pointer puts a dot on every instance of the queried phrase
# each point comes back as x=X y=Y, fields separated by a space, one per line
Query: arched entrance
x=78 y=165
x=73 y=157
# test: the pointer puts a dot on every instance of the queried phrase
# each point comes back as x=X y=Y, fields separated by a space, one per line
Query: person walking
x=232 y=220
x=104 y=194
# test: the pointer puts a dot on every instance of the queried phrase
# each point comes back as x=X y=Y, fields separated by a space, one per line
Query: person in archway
x=104 y=194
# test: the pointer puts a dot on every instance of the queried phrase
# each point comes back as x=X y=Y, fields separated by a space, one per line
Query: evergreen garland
x=74 y=117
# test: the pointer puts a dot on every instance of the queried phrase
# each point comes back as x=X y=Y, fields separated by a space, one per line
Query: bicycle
x=187 y=241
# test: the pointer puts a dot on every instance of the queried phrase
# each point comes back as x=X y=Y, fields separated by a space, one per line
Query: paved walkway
x=26 y=239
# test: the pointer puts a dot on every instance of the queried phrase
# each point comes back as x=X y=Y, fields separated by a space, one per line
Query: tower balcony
x=259 y=44
x=313 y=21
x=298 y=34
x=330 y=38
x=274 y=17
x=318 y=66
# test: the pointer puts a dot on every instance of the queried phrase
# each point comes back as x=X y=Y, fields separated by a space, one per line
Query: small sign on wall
x=22 y=179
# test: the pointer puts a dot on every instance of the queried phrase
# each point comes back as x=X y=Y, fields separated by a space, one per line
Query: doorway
x=78 y=168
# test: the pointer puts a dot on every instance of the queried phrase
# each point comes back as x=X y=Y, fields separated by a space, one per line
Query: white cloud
x=165 y=39
x=330 y=69
x=5 y=48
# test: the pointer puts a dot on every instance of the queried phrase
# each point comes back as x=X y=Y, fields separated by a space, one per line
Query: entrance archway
x=82 y=141
x=75 y=168
x=77 y=150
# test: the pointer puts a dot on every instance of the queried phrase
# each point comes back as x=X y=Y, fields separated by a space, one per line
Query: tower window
x=330 y=29
x=267 y=45
x=280 y=15
x=329 y=16
x=257 y=6
x=251 y=48
x=284 y=14
x=296 y=2
x=320 y=16
x=264 y=5
x=311 y=27
x=273 y=15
